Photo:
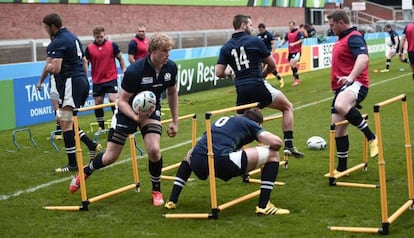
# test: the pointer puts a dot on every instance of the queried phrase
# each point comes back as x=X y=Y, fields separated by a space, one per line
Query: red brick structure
x=24 y=21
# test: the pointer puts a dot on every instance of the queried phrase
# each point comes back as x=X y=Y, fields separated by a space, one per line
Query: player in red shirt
x=350 y=82
x=138 y=46
x=408 y=35
x=101 y=54
x=295 y=38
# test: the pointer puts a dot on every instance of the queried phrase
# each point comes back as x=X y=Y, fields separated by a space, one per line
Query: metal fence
x=33 y=50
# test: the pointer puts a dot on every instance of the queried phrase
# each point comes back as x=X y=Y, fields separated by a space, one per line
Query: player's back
x=68 y=47
x=229 y=134
x=245 y=53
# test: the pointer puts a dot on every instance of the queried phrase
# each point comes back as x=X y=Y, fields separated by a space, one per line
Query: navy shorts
x=72 y=91
x=411 y=57
x=224 y=167
x=252 y=93
x=124 y=124
x=104 y=88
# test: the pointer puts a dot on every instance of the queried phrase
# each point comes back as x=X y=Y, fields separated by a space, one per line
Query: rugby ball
x=144 y=100
x=316 y=143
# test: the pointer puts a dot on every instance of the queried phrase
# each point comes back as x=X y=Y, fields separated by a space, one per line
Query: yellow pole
x=381 y=166
x=211 y=169
x=408 y=152
x=239 y=200
x=188 y=216
x=355 y=229
x=194 y=131
x=332 y=151
x=134 y=162
x=79 y=158
x=111 y=193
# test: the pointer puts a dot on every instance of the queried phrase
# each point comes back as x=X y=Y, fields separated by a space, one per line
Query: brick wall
x=24 y=21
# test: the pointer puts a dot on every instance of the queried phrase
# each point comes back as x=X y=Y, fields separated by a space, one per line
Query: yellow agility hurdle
x=363 y=165
x=409 y=204
x=193 y=142
x=215 y=208
x=85 y=200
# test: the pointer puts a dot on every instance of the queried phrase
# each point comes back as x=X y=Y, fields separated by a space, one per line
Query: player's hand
x=172 y=130
x=344 y=80
x=39 y=86
x=401 y=56
x=142 y=115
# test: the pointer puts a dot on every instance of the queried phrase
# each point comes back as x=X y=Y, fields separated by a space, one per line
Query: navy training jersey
x=229 y=134
x=245 y=54
x=141 y=76
x=392 y=35
x=267 y=38
x=68 y=47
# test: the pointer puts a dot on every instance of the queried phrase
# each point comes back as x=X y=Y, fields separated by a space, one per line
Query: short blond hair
x=160 y=41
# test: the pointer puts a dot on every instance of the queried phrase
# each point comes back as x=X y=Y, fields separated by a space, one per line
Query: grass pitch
x=28 y=183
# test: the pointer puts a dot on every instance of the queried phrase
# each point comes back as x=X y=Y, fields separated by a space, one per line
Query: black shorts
x=224 y=167
x=124 y=124
x=259 y=92
x=411 y=57
x=104 y=88
x=294 y=56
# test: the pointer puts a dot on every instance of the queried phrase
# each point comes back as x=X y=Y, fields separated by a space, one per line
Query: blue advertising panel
x=33 y=106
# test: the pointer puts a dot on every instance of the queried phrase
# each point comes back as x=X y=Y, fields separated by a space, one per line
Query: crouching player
x=229 y=135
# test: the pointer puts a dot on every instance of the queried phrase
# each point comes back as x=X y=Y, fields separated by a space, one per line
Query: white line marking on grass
x=33 y=189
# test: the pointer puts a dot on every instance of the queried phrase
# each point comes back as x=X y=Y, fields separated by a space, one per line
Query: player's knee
x=154 y=153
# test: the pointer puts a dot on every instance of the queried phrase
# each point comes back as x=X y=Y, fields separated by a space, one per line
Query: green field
x=28 y=183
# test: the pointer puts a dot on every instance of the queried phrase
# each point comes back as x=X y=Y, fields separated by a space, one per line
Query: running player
x=245 y=53
x=269 y=40
x=156 y=73
x=294 y=38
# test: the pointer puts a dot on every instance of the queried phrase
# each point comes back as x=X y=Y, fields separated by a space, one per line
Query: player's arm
x=54 y=66
x=285 y=39
x=43 y=75
x=132 y=48
x=361 y=63
x=273 y=141
x=125 y=107
x=121 y=62
x=85 y=61
x=396 y=40
x=172 y=98
x=220 y=70
x=270 y=65
x=402 y=43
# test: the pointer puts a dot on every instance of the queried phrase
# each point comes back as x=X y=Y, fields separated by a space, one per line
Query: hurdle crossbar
x=85 y=201
x=361 y=166
x=386 y=220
